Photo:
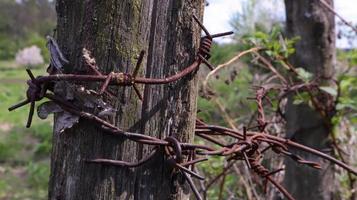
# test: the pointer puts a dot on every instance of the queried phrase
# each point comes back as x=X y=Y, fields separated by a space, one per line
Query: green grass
x=24 y=153
x=12 y=90
x=7 y=64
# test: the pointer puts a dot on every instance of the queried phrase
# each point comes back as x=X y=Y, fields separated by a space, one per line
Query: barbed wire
x=246 y=145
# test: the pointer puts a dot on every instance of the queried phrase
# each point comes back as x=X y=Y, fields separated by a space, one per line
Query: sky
x=219 y=12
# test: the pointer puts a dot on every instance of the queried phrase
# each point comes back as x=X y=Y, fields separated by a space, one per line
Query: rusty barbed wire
x=246 y=145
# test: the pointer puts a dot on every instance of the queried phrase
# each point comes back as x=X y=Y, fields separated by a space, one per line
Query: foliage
x=222 y=53
x=232 y=93
x=350 y=56
x=256 y=17
x=347 y=99
x=29 y=56
x=8 y=47
x=347 y=88
x=24 y=23
x=39 y=41
x=303 y=75
x=38 y=174
x=273 y=42
x=24 y=168
x=231 y=87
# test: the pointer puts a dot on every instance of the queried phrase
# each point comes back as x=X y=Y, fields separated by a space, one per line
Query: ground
x=24 y=153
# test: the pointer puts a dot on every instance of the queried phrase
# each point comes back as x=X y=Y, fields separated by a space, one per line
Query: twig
x=323 y=2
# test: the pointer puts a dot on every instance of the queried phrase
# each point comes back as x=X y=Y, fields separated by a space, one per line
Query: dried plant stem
x=235 y=58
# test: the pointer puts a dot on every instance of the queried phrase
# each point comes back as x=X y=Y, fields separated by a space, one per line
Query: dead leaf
x=47 y=108
x=65 y=120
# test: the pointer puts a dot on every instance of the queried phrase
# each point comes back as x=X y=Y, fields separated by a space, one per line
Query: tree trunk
x=115 y=31
x=315 y=52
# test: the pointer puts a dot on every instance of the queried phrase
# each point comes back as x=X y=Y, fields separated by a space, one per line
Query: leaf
x=329 y=90
x=260 y=35
x=47 y=108
x=303 y=74
x=64 y=89
x=88 y=98
x=301 y=97
x=345 y=105
x=108 y=111
x=65 y=120
x=298 y=101
x=57 y=57
x=282 y=63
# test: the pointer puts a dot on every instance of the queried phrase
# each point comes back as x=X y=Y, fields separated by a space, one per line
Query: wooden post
x=115 y=31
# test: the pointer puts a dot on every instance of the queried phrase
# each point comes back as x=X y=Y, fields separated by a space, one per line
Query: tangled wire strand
x=247 y=146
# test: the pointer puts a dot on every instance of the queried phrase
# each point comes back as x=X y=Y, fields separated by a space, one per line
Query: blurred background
x=24 y=153
x=24 y=24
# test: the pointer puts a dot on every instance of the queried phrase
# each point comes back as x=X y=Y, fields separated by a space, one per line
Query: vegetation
x=232 y=95
x=24 y=153
x=25 y=23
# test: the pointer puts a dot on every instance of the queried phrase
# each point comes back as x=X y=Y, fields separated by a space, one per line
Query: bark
x=315 y=52
x=115 y=31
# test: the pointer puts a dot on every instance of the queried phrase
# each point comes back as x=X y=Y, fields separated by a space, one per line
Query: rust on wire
x=247 y=146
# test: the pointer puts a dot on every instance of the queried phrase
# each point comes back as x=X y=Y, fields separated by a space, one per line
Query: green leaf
x=301 y=97
x=329 y=90
x=261 y=35
x=303 y=74
x=298 y=101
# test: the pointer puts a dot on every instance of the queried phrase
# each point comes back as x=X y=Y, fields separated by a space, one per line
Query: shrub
x=29 y=56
